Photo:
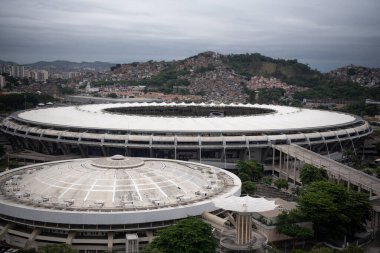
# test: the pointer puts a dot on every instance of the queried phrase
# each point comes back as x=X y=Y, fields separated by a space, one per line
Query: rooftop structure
x=93 y=203
x=140 y=117
x=209 y=133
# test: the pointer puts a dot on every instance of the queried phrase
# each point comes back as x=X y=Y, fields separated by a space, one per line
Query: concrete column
x=150 y=236
x=287 y=167
x=4 y=231
x=150 y=152
x=243 y=228
x=70 y=237
x=63 y=148
x=110 y=241
x=294 y=171
x=82 y=151
x=273 y=156
x=103 y=151
x=32 y=237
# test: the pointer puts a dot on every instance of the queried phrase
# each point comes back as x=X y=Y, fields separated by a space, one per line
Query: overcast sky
x=322 y=33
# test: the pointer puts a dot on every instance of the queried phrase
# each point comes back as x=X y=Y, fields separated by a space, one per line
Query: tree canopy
x=252 y=168
x=287 y=225
x=333 y=209
x=281 y=183
x=310 y=173
x=13 y=102
x=51 y=248
x=190 y=235
x=248 y=187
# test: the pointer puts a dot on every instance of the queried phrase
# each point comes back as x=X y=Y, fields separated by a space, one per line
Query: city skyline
x=323 y=34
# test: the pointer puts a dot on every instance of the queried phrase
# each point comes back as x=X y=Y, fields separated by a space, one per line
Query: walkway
x=336 y=170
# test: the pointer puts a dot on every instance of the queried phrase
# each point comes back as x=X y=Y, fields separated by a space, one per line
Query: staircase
x=267 y=191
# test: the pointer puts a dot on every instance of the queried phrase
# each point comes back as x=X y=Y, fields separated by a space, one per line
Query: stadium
x=106 y=204
x=216 y=134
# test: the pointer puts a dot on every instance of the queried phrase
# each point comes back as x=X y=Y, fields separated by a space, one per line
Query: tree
x=281 y=183
x=56 y=248
x=112 y=95
x=310 y=173
x=353 y=249
x=322 y=250
x=32 y=250
x=333 y=209
x=244 y=177
x=2 y=150
x=252 y=168
x=190 y=235
x=378 y=148
x=248 y=187
x=298 y=251
x=287 y=225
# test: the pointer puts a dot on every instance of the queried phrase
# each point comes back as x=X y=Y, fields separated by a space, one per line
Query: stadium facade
x=209 y=133
x=106 y=204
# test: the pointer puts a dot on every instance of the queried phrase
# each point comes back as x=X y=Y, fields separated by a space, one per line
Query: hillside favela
x=190 y=127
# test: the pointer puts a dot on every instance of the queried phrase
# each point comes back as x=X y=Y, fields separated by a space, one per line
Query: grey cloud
x=324 y=33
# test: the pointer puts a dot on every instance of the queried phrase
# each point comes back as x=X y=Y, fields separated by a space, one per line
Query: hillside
x=289 y=71
x=71 y=66
x=6 y=62
x=369 y=77
x=235 y=78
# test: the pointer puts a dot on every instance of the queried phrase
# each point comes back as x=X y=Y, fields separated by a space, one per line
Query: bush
x=281 y=183
x=248 y=187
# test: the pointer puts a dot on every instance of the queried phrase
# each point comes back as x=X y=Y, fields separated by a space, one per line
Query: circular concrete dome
x=109 y=188
x=118 y=162
x=100 y=204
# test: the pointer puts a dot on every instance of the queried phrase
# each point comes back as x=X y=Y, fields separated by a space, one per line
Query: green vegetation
x=163 y=81
x=14 y=102
x=112 y=95
x=353 y=249
x=249 y=172
x=66 y=90
x=294 y=73
x=290 y=71
x=310 y=173
x=267 y=96
x=2 y=150
x=190 y=235
x=51 y=248
x=361 y=108
x=281 y=183
x=350 y=249
x=253 y=169
x=287 y=225
x=248 y=188
x=115 y=67
x=333 y=210
x=335 y=89
x=210 y=67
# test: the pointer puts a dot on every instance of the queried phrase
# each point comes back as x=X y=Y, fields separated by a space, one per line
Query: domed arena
x=106 y=203
x=217 y=134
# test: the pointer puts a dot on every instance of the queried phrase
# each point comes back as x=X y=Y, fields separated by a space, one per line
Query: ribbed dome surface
x=118 y=162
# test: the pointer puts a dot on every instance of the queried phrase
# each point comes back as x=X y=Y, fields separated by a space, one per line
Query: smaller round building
x=108 y=203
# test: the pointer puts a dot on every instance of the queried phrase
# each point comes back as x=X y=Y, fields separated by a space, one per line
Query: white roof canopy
x=245 y=204
x=94 y=116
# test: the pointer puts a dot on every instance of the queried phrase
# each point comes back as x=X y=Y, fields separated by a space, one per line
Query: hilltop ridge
x=236 y=77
